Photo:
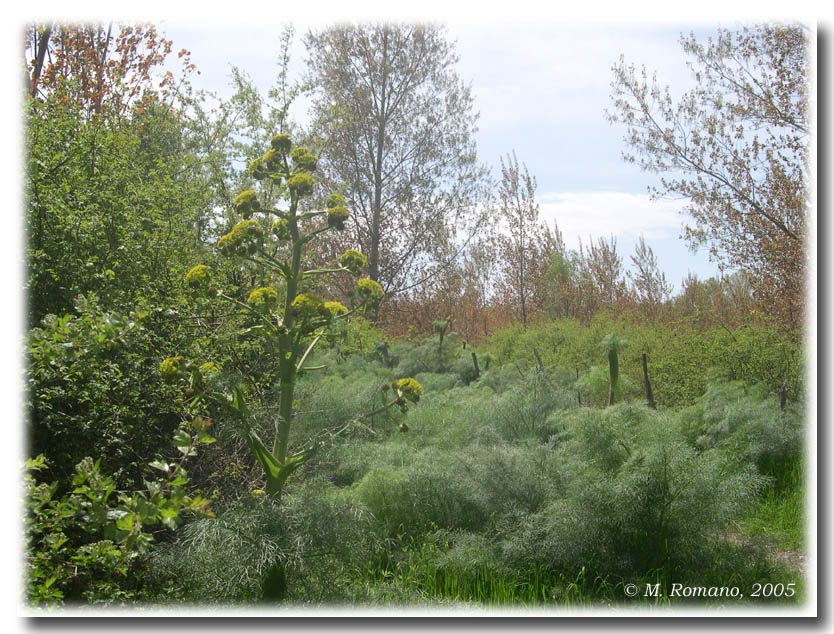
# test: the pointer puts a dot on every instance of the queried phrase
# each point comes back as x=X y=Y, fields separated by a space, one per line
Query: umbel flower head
x=172 y=368
x=309 y=306
x=336 y=217
x=335 y=308
x=243 y=239
x=370 y=292
x=209 y=368
x=258 y=169
x=272 y=159
x=281 y=229
x=264 y=297
x=303 y=160
x=409 y=388
x=335 y=200
x=281 y=143
x=246 y=203
x=301 y=184
x=198 y=276
x=353 y=261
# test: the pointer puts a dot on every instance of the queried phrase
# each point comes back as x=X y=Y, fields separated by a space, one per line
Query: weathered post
x=649 y=395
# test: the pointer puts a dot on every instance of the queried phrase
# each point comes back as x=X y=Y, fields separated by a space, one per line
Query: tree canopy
x=736 y=147
x=396 y=125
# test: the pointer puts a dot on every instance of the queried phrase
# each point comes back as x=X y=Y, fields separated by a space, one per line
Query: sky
x=541 y=89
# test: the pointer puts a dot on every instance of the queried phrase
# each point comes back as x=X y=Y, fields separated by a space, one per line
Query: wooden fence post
x=649 y=395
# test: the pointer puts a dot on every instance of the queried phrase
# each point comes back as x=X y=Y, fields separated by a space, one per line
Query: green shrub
x=678 y=358
x=746 y=421
x=422 y=495
x=93 y=542
x=638 y=499
x=314 y=539
x=594 y=386
x=94 y=388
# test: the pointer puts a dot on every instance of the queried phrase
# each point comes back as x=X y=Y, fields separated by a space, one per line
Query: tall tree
x=737 y=147
x=397 y=126
x=114 y=184
x=101 y=68
x=526 y=245
x=647 y=280
x=603 y=270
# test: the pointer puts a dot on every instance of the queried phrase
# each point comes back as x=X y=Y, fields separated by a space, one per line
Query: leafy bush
x=93 y=388
x=88 y=545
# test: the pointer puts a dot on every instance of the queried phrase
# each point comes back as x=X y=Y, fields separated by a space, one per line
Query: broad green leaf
x=126 y=522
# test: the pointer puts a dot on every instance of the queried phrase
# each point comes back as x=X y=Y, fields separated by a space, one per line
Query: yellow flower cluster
x=198 y=276
x=301 y=184
x=244 y=239
x=246 y=203
x=409 y=388
x=303 y=160
x=370 y=292
x=264 y=297
x=353 y=261
x=307 y=306
x=171 y=368
x=335 y=308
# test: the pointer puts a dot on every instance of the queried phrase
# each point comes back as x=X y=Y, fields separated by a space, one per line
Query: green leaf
x=126 y=522
x=205 y=438
x=161 y=465
x=182 y=441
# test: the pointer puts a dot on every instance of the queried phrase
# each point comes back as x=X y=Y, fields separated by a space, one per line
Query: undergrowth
x=505 y=491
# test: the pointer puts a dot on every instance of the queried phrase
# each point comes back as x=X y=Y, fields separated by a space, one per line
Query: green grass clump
x=309 y=534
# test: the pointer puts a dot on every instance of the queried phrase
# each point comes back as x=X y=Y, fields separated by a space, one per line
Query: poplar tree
x=397 y=126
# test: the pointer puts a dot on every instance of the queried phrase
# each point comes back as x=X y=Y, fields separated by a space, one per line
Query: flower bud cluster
x=302 y=160
x=409 y=388
x=335 y=308
x=353 y=261
x=370 y=292
x=244 y=239
x=265 y=297
x=281 y=229
x=246 y=203
x=172 y=368
x=198 y=276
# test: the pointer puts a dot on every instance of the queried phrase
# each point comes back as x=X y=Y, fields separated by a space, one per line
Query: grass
x=778 y=517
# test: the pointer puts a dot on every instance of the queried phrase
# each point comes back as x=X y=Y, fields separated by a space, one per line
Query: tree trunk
x=373 y=258
x=40 y=53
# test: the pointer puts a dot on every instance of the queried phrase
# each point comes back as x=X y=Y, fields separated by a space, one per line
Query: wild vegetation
x=449 y=427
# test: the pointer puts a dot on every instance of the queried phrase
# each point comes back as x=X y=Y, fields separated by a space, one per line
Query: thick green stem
x=286 y=348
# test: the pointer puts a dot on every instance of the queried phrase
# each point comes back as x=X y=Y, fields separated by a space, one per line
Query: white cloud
x=602 y=213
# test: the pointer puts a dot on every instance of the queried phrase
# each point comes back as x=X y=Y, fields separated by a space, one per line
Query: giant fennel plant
x=275 y=241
